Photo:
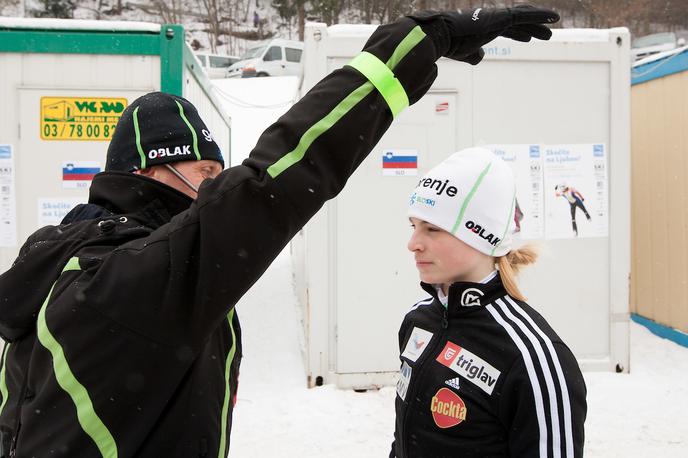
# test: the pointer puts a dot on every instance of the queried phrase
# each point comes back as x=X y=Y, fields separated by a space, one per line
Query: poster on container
x=526 y=163
x=52 y=210
x=8 y=206
x=79 y=174
x=399 y=162
x=576 y=191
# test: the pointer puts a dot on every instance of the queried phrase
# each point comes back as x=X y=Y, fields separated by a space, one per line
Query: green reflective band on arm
x=3 y=381
x=138 y=138
x=193 y=131
x=89 y=420
x=414 y=37
x=221 y=452
x=383 y=79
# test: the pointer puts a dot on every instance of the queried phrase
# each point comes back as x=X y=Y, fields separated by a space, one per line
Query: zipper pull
x=445 y=320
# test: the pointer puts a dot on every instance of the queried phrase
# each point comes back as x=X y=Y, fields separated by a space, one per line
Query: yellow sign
x=80 y=118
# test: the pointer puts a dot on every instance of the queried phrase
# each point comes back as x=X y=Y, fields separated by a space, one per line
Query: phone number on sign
x=77 y=131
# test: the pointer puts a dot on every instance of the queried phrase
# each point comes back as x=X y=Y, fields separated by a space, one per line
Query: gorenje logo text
x=479 y=230
x=166 y=152
x=469 y=366
x=439 y=186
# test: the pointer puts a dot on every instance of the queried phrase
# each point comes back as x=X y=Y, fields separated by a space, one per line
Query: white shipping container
x=63 y=86
x=355 y=278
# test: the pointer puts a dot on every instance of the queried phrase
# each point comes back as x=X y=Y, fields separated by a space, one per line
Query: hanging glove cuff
x=383 y=79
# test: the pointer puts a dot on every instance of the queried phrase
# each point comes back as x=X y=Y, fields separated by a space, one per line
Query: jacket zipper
x=412 y=386
x=17 y=421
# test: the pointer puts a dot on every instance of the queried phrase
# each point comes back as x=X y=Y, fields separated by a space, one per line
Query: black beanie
x=160 y=128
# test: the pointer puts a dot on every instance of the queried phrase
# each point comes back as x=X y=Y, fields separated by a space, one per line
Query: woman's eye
x=433 y=229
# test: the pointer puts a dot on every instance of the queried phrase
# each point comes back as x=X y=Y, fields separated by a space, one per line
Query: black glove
x=459 y=36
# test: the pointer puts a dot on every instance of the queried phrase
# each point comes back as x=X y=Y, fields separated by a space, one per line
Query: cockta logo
x=447 y=408
x=480 y=231
x=439 y=186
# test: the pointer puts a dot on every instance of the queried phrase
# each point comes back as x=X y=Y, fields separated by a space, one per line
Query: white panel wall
x=353 y=274
x=24 y=79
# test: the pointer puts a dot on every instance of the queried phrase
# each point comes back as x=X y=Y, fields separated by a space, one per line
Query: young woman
x=483 y=374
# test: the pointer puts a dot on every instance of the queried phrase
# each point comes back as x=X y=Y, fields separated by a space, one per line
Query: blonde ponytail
x=510 y=265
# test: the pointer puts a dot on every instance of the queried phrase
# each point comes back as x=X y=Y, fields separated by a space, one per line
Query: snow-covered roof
x=659 y=56
x=77 y=24
x=351 y=30
x=660 y=65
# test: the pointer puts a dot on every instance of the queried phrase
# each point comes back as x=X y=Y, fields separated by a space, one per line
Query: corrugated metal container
x=63 y=86
x=659 y=114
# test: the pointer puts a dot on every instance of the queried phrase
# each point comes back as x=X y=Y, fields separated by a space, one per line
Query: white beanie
x=471 y=195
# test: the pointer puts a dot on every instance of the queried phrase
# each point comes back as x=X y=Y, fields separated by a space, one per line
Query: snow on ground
x=642 y=414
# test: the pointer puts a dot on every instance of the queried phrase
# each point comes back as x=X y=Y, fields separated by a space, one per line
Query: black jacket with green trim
x=485 y=377
x=122 y=337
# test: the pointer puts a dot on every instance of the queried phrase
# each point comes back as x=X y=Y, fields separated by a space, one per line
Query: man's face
x=194 y=171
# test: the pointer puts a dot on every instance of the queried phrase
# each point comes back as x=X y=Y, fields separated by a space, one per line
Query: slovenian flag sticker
x=79 y=174
x=400 y=163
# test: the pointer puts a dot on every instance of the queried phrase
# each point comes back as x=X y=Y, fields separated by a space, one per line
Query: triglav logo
x=470 y=366
x=479 y=230
x=471 y=297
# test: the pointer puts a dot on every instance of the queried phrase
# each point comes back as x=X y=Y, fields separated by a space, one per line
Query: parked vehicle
x=216 y=65
x=276 y=57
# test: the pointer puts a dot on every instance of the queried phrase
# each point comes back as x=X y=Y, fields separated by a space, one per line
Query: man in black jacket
x=122 y=336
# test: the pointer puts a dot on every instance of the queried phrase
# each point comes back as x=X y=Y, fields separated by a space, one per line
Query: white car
x=276 y=57
x=216 y=65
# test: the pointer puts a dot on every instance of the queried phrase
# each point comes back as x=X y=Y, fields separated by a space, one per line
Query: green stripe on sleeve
x=508 y=222
x=414 y=37
x=383 y=79
x=88 y=418
x=221 y=452
x=469 y=197
x=3 y=381
x=193 y=131
x=409 y=42
x=138 y=138
x=318 y=129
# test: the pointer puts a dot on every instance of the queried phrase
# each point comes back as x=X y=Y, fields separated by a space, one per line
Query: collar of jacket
x=128 y=193
x=468 y=296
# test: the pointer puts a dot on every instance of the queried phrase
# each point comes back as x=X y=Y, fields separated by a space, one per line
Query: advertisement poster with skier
x=576 y=191
x=525 y=161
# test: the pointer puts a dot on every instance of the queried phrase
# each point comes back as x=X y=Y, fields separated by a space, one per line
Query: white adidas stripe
x=537 y=391
x=544 y=367
x=568 y=430
x=427 y=301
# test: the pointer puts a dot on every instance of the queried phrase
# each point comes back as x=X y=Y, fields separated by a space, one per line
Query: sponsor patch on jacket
x=417 y=343
x=447 y=408
x=404 y=380
x=470 y=366
x=454 y=383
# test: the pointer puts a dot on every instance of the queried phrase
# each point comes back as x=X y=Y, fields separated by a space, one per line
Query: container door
x=372 y=264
